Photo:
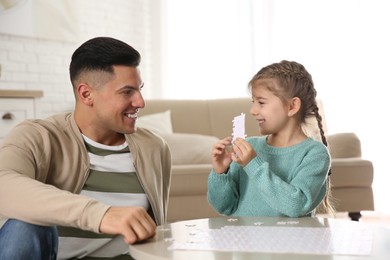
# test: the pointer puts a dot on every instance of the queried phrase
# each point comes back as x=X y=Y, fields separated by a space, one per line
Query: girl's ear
x=294 y=106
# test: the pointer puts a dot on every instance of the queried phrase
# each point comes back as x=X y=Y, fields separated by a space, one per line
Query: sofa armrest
x=351 y=172
x=344 y=145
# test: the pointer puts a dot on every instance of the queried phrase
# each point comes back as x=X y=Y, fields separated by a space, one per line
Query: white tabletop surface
x=184 y=240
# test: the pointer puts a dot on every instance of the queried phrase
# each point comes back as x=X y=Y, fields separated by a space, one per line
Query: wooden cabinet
x=15 y=106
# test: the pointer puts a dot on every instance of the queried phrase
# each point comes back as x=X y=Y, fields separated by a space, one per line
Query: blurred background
x=207 y=49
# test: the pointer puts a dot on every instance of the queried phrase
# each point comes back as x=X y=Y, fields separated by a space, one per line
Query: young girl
x=283 y=172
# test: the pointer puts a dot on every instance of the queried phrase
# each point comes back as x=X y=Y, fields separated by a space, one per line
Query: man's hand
x=133 y=223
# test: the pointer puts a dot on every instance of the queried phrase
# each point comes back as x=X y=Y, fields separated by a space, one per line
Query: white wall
x=42 y=64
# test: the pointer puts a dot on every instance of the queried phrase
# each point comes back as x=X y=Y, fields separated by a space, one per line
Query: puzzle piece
x=238 y=127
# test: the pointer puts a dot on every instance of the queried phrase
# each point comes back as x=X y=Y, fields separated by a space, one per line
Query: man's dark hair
x=100 y=54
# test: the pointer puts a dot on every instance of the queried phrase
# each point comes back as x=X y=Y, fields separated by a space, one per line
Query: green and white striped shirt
x=112 y=180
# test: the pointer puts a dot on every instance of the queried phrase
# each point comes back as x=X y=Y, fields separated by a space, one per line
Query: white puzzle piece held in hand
x=238 y=127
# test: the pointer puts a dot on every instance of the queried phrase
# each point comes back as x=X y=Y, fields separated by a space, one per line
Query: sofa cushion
x=159 y=123
x=351 y=172
x=190 y=148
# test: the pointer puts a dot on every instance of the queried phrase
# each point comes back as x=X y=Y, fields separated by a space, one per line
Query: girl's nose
x=253 y=111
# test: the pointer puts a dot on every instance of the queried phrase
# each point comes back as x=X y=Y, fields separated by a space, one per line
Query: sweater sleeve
x=223 y=192
x=30 y=180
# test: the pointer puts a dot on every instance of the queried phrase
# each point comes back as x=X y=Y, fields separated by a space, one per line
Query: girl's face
x=268 y=109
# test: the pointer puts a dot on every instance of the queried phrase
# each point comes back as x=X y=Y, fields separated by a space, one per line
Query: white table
x=182 y=232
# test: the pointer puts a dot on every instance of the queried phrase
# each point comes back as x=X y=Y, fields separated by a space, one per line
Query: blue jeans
x=20 y=240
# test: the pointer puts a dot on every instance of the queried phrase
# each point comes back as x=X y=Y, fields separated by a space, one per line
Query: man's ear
x=294 y=106
x=84 y=94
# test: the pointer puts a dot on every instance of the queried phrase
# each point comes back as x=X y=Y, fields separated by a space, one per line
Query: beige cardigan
x=44 y=165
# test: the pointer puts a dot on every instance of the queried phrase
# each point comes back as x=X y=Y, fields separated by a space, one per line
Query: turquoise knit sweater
x=279 y=181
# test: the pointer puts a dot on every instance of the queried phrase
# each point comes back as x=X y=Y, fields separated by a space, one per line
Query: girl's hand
x=220 y=157
x=243 y=152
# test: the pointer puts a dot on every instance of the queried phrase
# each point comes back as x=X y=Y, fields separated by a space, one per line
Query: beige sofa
x=191 y=127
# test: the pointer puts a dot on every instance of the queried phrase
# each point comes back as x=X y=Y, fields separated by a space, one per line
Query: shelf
x=20 y=93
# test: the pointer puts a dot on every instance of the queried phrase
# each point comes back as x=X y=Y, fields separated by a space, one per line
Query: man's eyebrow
x=132 y=87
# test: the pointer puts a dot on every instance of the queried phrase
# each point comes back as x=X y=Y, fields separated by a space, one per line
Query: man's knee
x=19 y=239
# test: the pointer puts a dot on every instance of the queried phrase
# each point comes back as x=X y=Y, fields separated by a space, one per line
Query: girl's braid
x=319 y=122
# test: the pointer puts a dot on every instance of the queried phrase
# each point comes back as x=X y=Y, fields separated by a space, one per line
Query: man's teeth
x=132 y=115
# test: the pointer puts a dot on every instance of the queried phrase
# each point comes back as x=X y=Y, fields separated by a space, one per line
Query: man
x=91 y=175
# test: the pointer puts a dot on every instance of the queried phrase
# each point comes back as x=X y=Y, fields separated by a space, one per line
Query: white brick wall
x=40 y=64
